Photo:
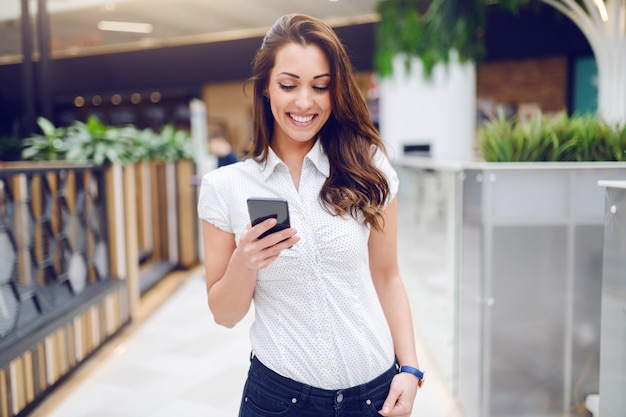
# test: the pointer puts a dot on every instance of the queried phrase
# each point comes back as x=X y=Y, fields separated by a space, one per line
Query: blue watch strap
x=409 y=369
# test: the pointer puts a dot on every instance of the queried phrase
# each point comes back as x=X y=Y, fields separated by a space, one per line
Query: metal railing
x=54 y=249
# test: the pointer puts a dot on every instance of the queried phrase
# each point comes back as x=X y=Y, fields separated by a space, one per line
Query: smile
x=301 y=119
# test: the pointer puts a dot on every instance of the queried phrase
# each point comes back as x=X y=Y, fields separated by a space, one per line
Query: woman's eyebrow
x=289 y=74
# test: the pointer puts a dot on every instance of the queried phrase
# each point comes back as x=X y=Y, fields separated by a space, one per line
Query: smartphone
x=261 y=208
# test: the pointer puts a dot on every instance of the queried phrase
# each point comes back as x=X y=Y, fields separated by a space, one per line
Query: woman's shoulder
x=382 y=162
x=232 y=175
x=244 y=167
x=379 y=156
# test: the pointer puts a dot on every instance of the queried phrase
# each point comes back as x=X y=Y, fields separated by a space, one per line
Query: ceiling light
x=125 y=26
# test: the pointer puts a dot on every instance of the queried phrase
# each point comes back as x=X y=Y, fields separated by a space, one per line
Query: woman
x=332 y=321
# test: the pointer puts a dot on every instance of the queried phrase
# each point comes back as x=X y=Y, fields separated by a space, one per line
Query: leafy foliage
x=430 y=30
x=172 y=145
x=93 y=141
x=560 y=139
x=48 y=146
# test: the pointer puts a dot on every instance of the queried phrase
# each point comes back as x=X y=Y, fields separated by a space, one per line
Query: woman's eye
x=287 y=87
x=321 y=89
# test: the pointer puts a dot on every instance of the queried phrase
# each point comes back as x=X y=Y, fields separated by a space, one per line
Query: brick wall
x=537 y=82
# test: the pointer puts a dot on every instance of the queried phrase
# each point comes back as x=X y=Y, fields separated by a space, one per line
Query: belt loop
x=305 y=392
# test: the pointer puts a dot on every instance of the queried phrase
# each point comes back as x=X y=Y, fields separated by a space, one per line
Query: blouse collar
x=316 y=155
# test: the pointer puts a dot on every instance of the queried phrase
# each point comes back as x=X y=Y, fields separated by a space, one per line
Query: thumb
x=390 y=403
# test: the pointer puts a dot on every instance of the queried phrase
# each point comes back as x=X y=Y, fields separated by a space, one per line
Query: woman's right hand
x=255 y=253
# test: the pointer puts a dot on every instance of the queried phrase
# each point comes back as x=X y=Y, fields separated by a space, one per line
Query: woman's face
x=299 y=92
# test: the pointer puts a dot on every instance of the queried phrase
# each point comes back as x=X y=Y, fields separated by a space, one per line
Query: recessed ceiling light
x=133 y=27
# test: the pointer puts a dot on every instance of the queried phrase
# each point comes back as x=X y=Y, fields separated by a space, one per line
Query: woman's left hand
x=399 y=402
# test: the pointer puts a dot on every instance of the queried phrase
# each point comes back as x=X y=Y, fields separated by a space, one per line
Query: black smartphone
x=261 y=208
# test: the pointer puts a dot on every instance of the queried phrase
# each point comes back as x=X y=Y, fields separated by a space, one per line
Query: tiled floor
x=177 y=362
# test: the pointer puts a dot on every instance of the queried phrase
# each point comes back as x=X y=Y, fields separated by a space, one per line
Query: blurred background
x=505 y=122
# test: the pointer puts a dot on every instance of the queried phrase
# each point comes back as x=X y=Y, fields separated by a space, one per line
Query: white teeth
x=301 y=119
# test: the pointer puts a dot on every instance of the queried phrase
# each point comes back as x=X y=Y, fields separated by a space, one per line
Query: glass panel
x=613 y=342
x=586 y=310
x=427 y=234
x=527 y=315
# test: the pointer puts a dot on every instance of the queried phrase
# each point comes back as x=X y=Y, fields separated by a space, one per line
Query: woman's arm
x=231 y=270
x=383 y=255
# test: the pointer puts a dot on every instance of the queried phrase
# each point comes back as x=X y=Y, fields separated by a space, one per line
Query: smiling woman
x=332 y=317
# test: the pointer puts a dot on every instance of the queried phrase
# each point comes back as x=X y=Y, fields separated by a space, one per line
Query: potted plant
x=425 y=55
x=157 y=165
x=552 y=139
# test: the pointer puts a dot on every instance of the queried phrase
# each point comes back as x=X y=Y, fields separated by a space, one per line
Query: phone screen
x=261 y=209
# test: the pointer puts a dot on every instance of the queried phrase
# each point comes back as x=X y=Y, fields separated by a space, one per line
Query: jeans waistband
x=276 y=379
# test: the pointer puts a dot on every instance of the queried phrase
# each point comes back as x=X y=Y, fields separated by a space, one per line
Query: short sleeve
x=212 y=206
x=382 y=162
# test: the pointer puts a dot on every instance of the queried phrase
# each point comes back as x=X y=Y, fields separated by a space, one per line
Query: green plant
x=554 y=139
x=430 y=30
x=49 y=146
x=95 y=142
x=141 y=147
x=172 y=144
x=618 y=142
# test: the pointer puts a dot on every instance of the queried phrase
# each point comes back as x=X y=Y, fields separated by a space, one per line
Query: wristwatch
x=414 y=371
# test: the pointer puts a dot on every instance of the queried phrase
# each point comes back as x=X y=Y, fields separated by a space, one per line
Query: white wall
x=441 y=110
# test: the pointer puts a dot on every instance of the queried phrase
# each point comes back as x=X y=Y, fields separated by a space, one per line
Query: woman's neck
x=292 y=153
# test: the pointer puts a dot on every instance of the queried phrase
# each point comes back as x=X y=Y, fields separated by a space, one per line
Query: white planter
x=440 y=112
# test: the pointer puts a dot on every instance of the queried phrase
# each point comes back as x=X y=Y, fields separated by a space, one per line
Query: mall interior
x=514 y=272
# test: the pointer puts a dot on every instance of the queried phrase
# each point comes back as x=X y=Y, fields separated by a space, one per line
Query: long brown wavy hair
x=355 y=184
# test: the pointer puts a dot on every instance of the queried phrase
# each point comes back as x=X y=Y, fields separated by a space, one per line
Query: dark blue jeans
x=268 y=394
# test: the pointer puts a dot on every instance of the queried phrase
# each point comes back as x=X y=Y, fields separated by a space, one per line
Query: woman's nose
x=303 y=100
